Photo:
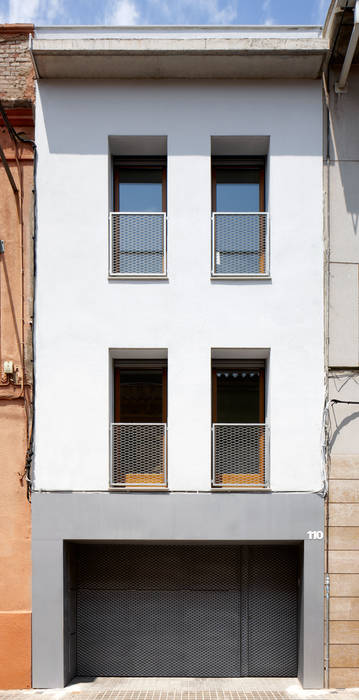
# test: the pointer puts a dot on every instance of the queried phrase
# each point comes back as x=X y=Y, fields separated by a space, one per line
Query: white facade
x=83 y=317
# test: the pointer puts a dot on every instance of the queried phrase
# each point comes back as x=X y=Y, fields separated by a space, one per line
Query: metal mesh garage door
x=185 y=610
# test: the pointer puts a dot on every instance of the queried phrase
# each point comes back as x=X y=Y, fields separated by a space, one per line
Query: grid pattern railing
x=139 y=454
x=138 y=244
x=240 y=455
x=240 y=243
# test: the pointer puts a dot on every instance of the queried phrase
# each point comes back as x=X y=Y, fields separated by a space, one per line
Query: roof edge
x=232 y=27
x=17 y=28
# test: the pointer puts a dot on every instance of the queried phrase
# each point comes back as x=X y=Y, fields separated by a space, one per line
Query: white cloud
x=268 y=20
x=54 y=9
x=23 y=11
x=36 y=11
x=212 y=12
x=122 y=12
x=201 y=11
x=224 y=16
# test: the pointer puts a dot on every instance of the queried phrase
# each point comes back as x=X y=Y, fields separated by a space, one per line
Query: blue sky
x=164 y=11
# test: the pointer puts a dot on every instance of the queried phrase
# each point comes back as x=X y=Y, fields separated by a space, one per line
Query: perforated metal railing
x=137 y=244
x=240 y=243
x=139 y=454
x=240 y=455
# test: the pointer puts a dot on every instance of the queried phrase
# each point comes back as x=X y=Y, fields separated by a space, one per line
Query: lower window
x=239 y=432
x=139 y=430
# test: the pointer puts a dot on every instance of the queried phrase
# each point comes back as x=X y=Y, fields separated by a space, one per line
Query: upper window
x=238 y=190
x=138 y=222
x=239 y=220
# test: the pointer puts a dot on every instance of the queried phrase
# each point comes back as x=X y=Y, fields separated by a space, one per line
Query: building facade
x=341 y=84
x=16 y=371
x=178 y=510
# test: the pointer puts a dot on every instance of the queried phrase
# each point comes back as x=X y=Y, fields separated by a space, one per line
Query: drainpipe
x=341 y=84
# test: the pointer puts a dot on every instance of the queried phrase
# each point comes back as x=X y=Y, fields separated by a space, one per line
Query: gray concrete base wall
x=148 y=517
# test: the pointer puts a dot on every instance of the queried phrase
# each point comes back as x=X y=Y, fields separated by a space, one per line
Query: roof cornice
x=177 y=52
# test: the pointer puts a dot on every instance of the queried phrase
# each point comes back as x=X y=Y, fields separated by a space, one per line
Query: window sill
x=258 y=278
x=240 y=489
x=132 y=489
x=126 y=278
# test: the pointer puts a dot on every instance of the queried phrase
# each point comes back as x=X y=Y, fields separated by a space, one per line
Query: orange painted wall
x=16 y=296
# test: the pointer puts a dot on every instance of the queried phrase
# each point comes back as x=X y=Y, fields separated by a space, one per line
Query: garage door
x=186 y=610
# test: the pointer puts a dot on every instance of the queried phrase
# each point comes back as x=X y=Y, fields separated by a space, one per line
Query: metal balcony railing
x=138 y=244
x=139 y=454
x=240 y=455
x=240 y=244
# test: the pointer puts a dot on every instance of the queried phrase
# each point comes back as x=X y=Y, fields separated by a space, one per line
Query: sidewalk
x=182 y=689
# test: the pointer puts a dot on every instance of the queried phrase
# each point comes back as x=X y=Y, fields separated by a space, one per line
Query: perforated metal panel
x=240 y=243
x=240 y=454
x=137 y=243
x=273 y=611
x=138 y=454
x=186 y=610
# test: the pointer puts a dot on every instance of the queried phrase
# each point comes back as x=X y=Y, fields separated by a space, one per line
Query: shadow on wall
x=344 y=149
x=79 y=116
x=344 y=418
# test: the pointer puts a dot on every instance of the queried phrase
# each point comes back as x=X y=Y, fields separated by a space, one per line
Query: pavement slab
x=182 y=689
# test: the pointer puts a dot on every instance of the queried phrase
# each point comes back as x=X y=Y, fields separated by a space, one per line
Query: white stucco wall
x=80 y=314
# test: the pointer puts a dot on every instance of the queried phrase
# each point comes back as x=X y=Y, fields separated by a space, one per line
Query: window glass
x=238 y=396
x=140 y=190
x=237 y=190
x=140 y=396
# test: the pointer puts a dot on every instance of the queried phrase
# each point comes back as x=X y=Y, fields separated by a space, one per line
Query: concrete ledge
x=171 y=516
x=185 y=57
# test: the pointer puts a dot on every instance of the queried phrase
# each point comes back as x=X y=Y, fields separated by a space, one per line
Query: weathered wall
x=16 y=72
x=343 y=540
x=16 y=229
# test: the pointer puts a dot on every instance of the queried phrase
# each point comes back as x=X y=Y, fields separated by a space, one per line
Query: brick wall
x=16 y=72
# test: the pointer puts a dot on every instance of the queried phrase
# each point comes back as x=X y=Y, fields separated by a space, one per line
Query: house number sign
x=315 y=534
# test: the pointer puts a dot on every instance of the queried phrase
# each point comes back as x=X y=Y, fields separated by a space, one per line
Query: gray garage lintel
x=149 y=517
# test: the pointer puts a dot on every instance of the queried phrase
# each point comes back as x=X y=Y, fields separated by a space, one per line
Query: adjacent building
x=16 y=370
x=178 y=486
x=341 y=169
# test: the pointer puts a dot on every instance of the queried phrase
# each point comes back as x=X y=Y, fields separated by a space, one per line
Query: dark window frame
x=139 y=163
x=236 y=163
x=257 y=163
x=233 y=366
x=143 y=366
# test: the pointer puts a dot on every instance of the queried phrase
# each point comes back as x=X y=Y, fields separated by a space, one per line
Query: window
x=138 y=222
x=239 y=220
x=139 y=431
x=239 y=430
